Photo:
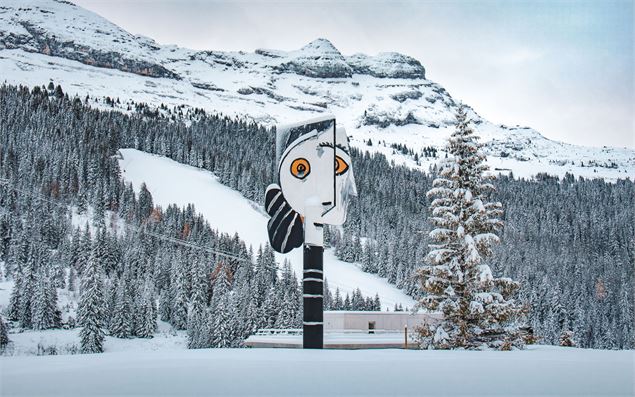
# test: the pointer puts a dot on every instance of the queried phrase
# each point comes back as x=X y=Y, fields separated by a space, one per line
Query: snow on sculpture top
x=314 y=170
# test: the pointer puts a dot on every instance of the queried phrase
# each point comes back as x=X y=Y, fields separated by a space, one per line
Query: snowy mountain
x=384 y=100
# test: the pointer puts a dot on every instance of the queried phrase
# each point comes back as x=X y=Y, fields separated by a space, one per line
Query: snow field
x=537 y=371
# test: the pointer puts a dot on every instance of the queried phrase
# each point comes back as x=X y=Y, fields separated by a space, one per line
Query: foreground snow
x=287 y=372
x=228 y=211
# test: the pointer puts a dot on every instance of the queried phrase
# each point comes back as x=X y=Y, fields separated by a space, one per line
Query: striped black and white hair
x=285 y=227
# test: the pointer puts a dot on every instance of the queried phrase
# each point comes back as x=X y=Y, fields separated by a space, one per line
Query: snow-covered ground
x=228 y=211
x=66 y=341
x=537 y=371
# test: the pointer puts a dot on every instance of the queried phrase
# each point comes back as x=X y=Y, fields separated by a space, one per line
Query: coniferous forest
x=568 y=242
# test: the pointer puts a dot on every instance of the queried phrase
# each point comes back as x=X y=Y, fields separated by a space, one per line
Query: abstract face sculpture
x=316 y=180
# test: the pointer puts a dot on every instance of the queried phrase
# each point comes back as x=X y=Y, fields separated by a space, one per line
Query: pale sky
x=564 y=68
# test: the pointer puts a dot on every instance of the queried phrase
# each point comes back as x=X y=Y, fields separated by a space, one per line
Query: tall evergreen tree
x=178 y=312
x=91 y=307
x=478 y=309
x=4 y=334
x=147 y=313
x=44 y=303
x=121 y=321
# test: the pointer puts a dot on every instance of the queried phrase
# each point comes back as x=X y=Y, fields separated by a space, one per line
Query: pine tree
x=75 y=256
x=145 y=203
x=147 y=324
x=44 y=303
x=91 y=308
x=224 y=332
x=338 y=304
x=72 y=276
x=224 y=319
x=376 y=303
x=478 y=309
x=347 y=303
x=15 y=301
x=200 y=285
x=4 y=334
x=27 y=287
x=85 y=249
x=254 y=318
x=328 y=297
x=288 y=315
x=121 y=322
x=270 y=308
x=178 y=312
x=357 y=300
x=197 y=337
x=165 y=305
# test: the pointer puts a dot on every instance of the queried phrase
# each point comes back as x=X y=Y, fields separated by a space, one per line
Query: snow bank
x=291 y=372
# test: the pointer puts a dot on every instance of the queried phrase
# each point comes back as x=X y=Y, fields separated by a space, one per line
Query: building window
x=371 y=327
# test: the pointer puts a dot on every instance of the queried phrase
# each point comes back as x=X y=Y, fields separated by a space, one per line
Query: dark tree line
x=569 y=242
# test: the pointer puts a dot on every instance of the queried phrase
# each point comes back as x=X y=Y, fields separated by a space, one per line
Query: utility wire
x=143 y=229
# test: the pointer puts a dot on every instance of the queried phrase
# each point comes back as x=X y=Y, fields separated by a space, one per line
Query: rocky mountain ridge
x=386 y=101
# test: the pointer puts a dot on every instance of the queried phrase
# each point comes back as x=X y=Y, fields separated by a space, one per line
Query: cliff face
x=61 y=29
x=38 y=40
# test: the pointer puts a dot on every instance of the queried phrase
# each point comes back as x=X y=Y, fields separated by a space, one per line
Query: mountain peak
x=318 y=59
x=321 y=45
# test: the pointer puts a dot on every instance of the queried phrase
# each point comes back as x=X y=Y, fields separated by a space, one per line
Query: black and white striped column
x=313 y=290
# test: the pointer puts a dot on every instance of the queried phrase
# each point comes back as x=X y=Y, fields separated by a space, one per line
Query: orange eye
x=300 y=168
x=340 y=166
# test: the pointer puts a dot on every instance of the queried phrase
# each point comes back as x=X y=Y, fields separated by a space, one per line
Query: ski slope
x=537 y=371
x=228 y=211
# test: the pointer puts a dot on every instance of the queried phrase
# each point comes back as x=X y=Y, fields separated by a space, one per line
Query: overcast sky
x=564 y=68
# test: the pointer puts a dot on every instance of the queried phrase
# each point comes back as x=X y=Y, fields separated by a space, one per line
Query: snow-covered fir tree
x=478 y=309
x=179 y=292
x=44 y=308
x=288 y=316
x=146 y=312
x=224 y=313
x=91 y=307
x=121 y=319
x=197 y=335
x=4 y=334
x=225 y=321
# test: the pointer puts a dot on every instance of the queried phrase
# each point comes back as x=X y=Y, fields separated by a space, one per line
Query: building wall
x=389 y=321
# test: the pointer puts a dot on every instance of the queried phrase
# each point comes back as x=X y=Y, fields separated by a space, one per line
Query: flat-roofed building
x=354 y=330
x=340 y=320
